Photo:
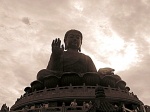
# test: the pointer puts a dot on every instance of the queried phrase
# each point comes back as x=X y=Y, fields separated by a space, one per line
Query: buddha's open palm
x=57 y=48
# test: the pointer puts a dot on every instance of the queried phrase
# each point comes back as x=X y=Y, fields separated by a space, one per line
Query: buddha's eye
x=77 y=37
x=71 y=36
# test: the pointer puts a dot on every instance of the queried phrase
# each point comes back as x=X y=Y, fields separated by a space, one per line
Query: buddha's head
x=73 y=40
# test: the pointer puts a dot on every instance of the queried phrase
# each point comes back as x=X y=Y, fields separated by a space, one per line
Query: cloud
x=137 y=79
x=131 y=19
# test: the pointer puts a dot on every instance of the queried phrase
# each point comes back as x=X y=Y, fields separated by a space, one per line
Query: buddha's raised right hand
x=57 y=48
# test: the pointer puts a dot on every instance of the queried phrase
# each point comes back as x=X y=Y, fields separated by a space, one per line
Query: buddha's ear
x=79 y=49
x=66 y=47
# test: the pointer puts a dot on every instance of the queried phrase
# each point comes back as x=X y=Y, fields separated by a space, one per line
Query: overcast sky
x=115 y=34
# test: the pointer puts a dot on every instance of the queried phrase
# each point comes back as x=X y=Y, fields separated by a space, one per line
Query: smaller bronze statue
x=71 y=59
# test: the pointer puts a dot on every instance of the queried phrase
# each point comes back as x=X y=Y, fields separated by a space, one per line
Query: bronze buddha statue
x=70 y=60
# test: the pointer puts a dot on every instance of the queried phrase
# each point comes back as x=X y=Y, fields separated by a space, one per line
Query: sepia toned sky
x=115 y=34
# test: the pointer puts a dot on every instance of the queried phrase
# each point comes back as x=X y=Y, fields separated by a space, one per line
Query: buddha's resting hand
x=57 y=48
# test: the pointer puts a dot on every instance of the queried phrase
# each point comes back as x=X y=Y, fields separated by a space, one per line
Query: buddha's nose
x=75 y=38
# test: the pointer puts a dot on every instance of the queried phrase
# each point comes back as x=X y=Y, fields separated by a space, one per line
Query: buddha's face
x=73 y=40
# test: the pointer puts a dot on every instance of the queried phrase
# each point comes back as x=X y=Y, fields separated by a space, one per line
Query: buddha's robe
x=71 y=62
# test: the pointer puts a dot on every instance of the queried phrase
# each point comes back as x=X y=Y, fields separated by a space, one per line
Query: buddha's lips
x=74 y=43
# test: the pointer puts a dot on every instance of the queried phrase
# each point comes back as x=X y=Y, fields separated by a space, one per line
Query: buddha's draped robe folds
x=71 y=62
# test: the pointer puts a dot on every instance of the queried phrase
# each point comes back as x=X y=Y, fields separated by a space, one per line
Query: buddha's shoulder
x=85 y=56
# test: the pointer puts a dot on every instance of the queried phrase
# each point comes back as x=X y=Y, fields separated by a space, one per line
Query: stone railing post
x=109 y=88
x=84 y=87
x=63 y=109
x=70 y=88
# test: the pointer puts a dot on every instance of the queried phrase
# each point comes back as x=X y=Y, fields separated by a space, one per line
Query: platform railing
x=75 y=88
x=71 y=91
x=55 y=109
